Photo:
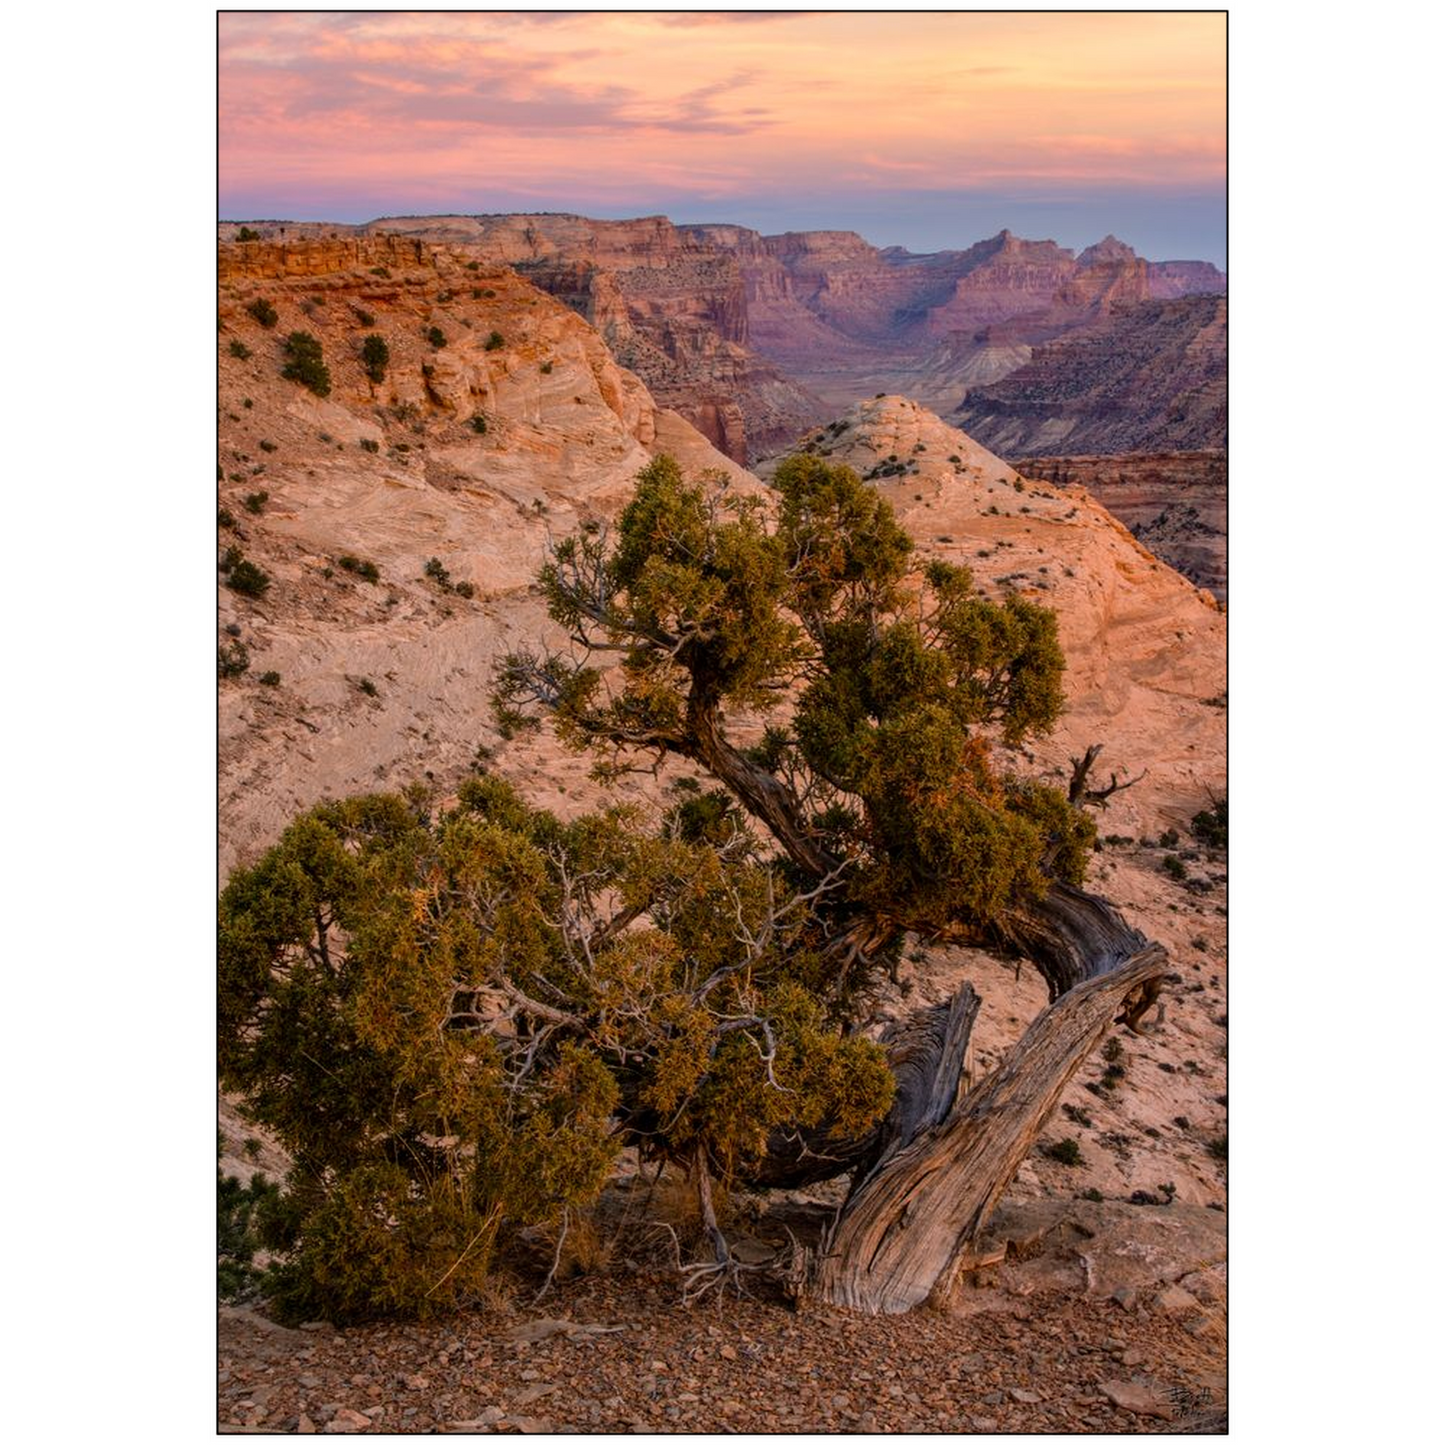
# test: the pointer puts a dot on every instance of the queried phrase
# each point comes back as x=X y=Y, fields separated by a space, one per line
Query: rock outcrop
x=519 y=425
x=1145 y=646
x=1148 y=377
x=1174 y=502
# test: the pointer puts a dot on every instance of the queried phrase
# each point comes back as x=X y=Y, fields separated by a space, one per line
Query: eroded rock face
x=1146 y=377
x=672 y=307
x=1145 y=647
x=1174 y=502
x=472 y=452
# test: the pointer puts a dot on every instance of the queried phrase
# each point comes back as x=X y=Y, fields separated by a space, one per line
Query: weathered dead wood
x=902 y=1235
x=1069 y=936
x=1082 y=795
x=925 y=1053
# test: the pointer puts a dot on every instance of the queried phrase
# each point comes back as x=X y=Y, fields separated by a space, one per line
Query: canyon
x=755 y=338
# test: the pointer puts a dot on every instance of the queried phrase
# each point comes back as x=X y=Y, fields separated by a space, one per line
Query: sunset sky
x=922 y=130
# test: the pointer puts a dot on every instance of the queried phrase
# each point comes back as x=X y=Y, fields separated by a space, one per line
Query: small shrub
x=437 y=337
x=256 y=502
x=437 y=572
x=1113 y=1050
x=479 y=424
x=1064 y=1151
x=368 y=445
x=245 y=577
x=1169 y=839
x=382 y=272
x=305 y=364
x=247 y=403
x=1018 y=485
x=270 y=679
x=224 y=518
x=367 y=571
x=465 y=589
x=364 y=318
x=232 y=659
x=495 y=342
x=367 y=686
x=546 y=368
x=1219 y=1148
x=1211 y=825
x=1092 y=1195
x=267 y=446
x=1175 y=868
x=264 y=312
x=240 y=351
x=247 y=234
x=489 y=293
x=374 y=356
x=238 y=1207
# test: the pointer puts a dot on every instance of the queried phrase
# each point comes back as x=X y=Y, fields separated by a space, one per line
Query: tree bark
x=925 y=1054
x=905 y=1230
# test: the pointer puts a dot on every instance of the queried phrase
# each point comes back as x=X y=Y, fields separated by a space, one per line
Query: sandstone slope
x=394 y=474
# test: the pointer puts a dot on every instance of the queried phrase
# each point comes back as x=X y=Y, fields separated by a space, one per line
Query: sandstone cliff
x=1147 y=377
x=386 y=682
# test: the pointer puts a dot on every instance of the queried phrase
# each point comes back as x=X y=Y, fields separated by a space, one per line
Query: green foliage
x=1064 y=1151
x=239 y=1208
x=479 y=424
x=305 y=364
x=406 y=1002
x=243 y=576
x=240 y=350
x=494 y=341
x=263 y=311
x=232 y=659
x=906 y=684
x=1211 y=825
x=225 y=517
x=437 y=337
x=1173 y=865
x=247 y=234
x=256 y=502
x=382 y=272
x=367 y=444
x=367 y=571
x=375 y=354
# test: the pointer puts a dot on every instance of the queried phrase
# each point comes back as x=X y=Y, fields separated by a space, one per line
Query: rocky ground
x=626 y=1356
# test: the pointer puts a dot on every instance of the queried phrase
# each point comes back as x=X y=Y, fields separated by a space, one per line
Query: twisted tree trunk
x=907 y=1227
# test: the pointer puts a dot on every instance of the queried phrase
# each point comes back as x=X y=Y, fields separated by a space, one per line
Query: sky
x=929 y=131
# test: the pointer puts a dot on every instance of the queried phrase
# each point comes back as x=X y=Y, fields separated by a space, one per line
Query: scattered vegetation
x=240 y=351
x=256 y=502
x=437 y=337
x=247 y=234
x=367 y=686
x=264 y=312
x=1173 y=865
x=546 y=368
x=367 y=444
x=270 y=679
x=305 y=364
x=494 y=341
x=367 y=571
x=479 y=424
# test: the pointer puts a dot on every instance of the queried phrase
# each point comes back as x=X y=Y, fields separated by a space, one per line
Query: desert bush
x=1064 y=1151
x=240 y=351
x=368 y=445
x=367 y=686
x=232 y=659
x=364 y=317
x=494 y=341
x=224 y=517
x=1174 y=867
x=256 y=502
x=243 y=576
x=1211 y=825
x=305 y=364
x=270 y=679
x=464 y=589
x=367 y=571
x=375 y=354
x=382 y=272
x=247 y=234
x=437 y=337
x=263 y=311
x=479 y=424
x=437 y=572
